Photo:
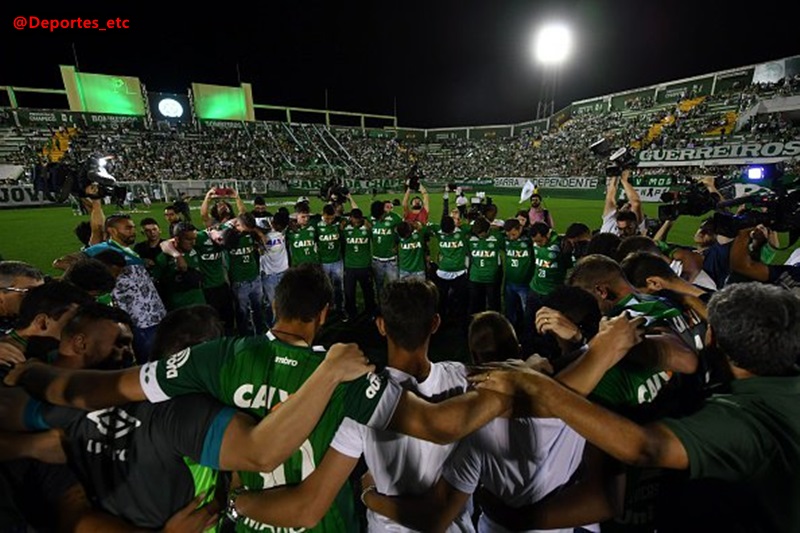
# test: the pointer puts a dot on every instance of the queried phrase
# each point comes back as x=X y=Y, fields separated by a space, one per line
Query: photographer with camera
x=222 y=211
x=615 y=219
x=337 y=197
x=419 y=208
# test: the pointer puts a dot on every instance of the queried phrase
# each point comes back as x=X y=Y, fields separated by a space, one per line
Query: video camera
x=693 y=200
x=413 y=178
x=57 y=181
x=478 y=206
x=779 y=212
x=620 y=159
x=774 y=206
x=334 y=192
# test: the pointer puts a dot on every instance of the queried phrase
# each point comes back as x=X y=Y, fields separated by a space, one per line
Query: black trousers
x=453 y=297
x=363 y=277
x=221 y=298
x=484 y=297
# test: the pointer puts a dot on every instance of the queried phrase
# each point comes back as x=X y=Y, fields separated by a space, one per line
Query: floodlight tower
x=551 y=47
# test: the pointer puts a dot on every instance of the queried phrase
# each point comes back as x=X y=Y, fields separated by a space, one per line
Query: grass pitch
x=40 y=235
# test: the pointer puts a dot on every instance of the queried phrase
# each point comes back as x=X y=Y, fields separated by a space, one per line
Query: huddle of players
x=363 y=416
x=476 y=259
x=257 y=374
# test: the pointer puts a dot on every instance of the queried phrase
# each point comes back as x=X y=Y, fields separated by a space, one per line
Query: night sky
x=444 y=62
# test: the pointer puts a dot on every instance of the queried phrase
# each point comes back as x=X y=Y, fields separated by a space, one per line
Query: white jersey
x=518 y=460
x=398 y=463
x=610 y=224
x=275 y=258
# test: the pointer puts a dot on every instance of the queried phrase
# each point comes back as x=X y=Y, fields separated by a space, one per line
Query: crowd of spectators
x=279 y=150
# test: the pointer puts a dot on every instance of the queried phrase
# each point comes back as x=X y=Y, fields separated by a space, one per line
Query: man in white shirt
x=274 y=259
x=518 y=460
x=626 y=226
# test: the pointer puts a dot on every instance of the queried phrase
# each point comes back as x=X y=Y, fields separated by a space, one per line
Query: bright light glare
x=170 y=107
x=552 y=44
x=755 y=173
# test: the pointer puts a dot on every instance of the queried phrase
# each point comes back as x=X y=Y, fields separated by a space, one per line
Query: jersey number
x=277 y=477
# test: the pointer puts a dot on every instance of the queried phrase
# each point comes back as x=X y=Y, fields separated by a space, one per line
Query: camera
x=621 y=159
x=334 y=192
x=652 y=225
x=693 y=200
x=223 y=192
x=413 y=178
x=478 y=206
x=618 y=160
x=338 y=194
x=778 y=210
x=57 y=181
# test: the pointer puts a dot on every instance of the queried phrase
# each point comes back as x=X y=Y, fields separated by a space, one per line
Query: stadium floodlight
x=170 y=108
x=552 y=44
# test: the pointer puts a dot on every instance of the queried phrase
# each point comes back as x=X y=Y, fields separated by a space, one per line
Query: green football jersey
x=256 y=374
x=180 y=289
x=357 y=252
x=484 y=253
x=518 y=260
x=452 y=248
x=243 y=260
x=303 y=245
x=411 y=252
x=628 y=384
x=384 y=238
x=212 y=260
x=550 y=266
x=329 y=242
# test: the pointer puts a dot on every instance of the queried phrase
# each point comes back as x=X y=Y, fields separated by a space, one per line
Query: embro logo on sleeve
x=176 y=361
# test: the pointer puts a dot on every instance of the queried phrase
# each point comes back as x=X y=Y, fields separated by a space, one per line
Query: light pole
x=551 y=47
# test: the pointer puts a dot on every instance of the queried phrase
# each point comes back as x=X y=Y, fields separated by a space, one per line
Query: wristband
x=367 y=490
x=230 y=511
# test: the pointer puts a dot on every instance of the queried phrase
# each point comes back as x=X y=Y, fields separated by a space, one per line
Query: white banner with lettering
x=20 y=195
x=724 y=154
x=548 y=183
